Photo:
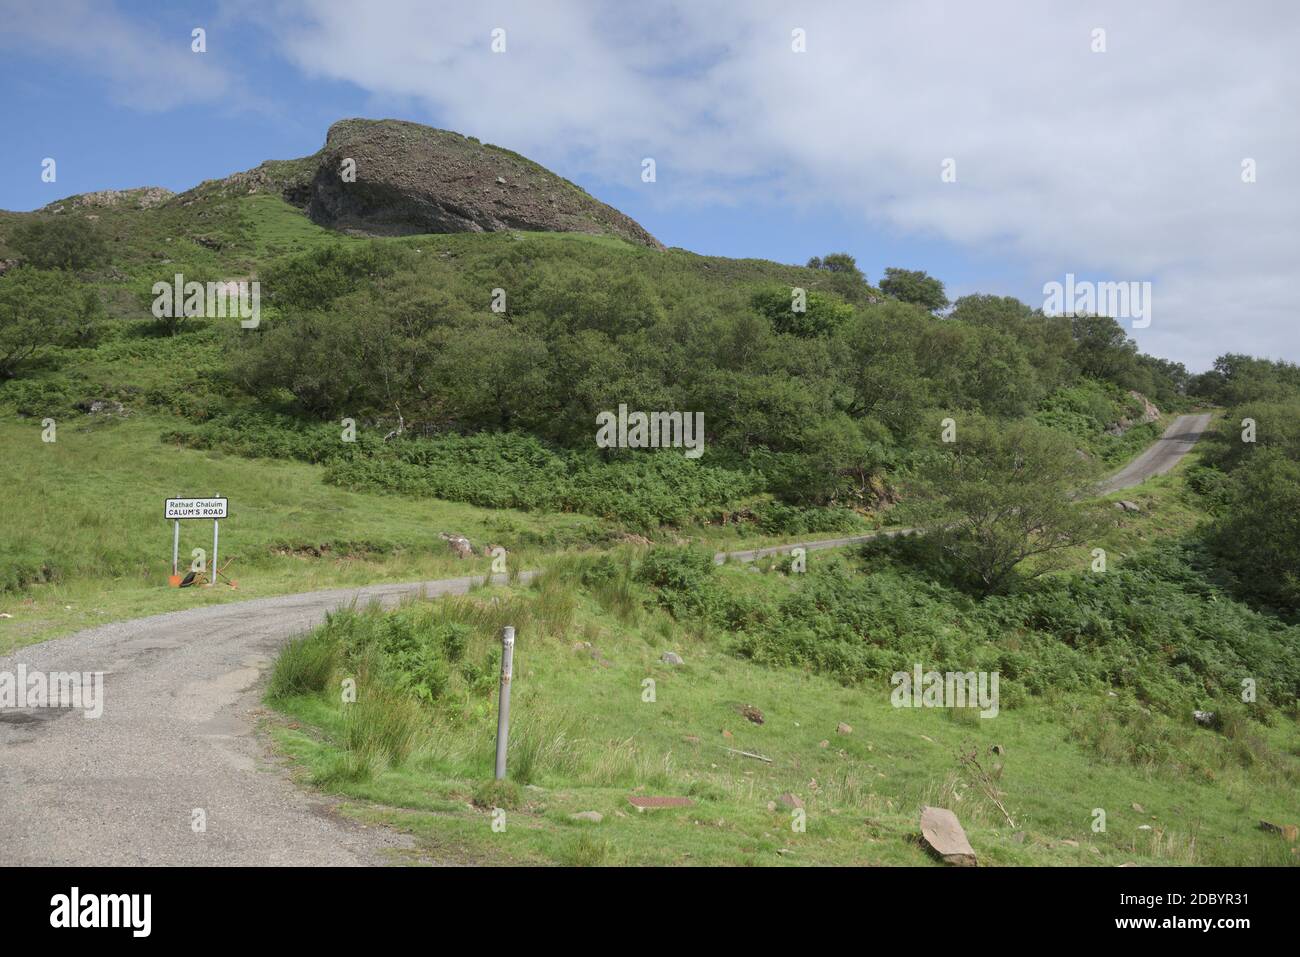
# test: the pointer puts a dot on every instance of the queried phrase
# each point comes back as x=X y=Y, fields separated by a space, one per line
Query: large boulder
x=415 y=179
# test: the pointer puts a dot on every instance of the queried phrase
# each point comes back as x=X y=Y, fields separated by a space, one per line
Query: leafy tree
x=1258 y=534
x=846 y=278
x=39 y=309
x=60 y=242
x=1102 y=350
x=820 y=316
x=1000 y=497
x=880 y=365
x=914 y=286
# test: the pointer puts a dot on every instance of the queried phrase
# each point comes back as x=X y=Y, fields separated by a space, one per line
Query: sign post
x=183 y=509
x=503 y=708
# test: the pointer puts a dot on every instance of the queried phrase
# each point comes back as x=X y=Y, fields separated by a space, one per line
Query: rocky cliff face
x=415 y=179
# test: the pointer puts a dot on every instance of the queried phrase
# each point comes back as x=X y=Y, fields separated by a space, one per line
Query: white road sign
x=210 y=508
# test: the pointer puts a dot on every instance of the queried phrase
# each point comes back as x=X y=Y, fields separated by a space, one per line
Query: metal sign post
x=182 y=509
x=503 y=709
x=212 y=578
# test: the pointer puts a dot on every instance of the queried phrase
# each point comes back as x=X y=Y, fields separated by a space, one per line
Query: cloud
x=143 y=68
x=1122 y=165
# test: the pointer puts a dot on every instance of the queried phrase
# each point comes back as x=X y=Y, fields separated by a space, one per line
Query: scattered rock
x=791 y=800
x=460 y=545
x=593 y=817
x=752 y=714
x=941 y=830
x=1144 y=827
x=843 y=728
x=1138 y=807
x=671 y=658
x=1288 y=831
x=651 y=803
x=1204 y=718
x=1128 y=506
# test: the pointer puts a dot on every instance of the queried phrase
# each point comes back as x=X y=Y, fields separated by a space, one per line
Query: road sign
x=183 y=508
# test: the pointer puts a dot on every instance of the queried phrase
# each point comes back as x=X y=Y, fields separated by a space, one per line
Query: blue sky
x=1117 y=164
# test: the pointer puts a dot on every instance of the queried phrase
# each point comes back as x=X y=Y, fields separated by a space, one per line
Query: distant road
x=182 y=697
x=1162 y=455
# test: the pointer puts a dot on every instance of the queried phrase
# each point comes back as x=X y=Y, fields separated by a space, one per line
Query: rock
x=752 y=714
x=843 y=728
x=771 y=805
x=791 y=800
x=823 y=743
x=943 y=833
x=1138 y=807
x=415 y=179
x=460 y=545
x=1144 y=827
x=1069 y=843
x=1128 y=506
x=1204 y=718
x=1288 y=831
x=671 y=658
x=592 y=817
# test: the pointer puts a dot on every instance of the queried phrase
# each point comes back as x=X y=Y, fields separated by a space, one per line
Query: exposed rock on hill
x=142 y=197
x=415 y=179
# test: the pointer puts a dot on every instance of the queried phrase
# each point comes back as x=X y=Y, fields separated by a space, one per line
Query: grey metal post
x=176 y=548
x=503 y=709
x=212 y=569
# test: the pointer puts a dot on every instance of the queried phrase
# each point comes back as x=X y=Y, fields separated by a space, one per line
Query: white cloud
x=142 y=67
x=1120 y=165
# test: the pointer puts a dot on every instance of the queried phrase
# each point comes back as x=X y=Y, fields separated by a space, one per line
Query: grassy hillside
x=599 y=717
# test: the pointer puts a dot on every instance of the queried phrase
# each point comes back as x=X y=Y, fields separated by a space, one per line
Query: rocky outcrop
x=413 y=179
x=142 y=197
x=394 y=178
x=1149 y=413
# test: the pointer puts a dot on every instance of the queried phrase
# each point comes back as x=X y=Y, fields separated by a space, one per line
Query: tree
x=38 y=309
x=63 y=242
x=820 y=316
x=1258 y=534
x=999 y=498
x=846 y=278
x=914 y=286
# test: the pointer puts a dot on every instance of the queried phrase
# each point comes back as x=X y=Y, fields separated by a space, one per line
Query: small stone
x=671 y=658
x=726 y=733
x=752 y=714
x=771 y=805
x=1138 y=807
x=593 y=817
x=1144 y=827
x=501 y=180
x=823 y=744
x=1204 y=718
x=843 y=728
x=791 y=800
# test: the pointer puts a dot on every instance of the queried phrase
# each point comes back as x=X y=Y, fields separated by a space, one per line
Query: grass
x=82 y=521
x=585 y=736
